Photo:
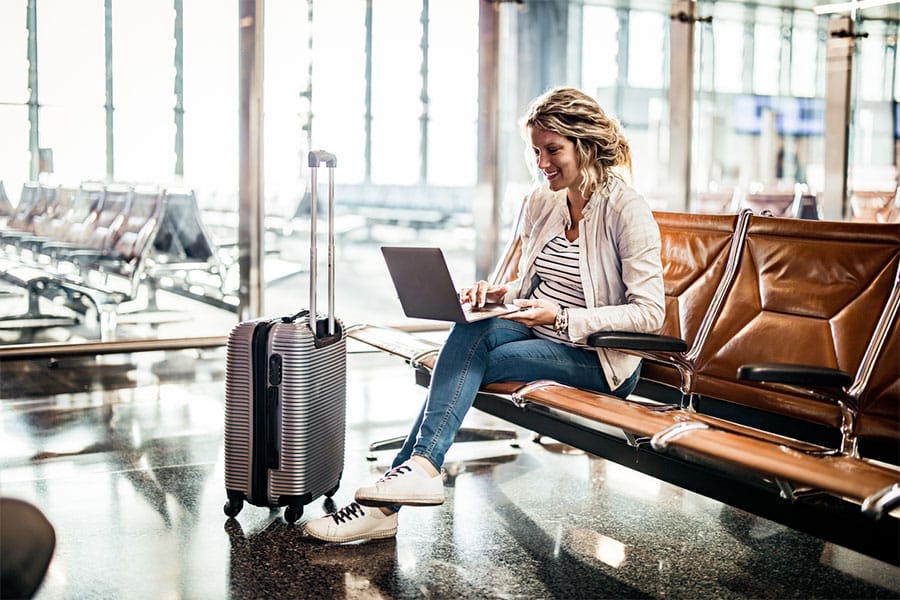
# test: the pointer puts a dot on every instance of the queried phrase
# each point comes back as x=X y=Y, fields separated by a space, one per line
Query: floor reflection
x=277 y=562
x=132 y=478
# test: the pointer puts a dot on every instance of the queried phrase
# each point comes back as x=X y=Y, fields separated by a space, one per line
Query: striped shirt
x=560 y=281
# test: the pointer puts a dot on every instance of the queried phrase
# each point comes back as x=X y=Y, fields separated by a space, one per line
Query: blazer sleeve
x=638 y=246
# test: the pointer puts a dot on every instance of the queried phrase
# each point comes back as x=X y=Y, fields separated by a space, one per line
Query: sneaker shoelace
x=396 y=472
x=348 y=513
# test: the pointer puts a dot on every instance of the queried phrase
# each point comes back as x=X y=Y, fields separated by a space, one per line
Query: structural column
x=838 y=80
x=488 y=198
x=681 y=99
x=179 y=89
x=251 y=204
x=109 y=107
x=33 y=100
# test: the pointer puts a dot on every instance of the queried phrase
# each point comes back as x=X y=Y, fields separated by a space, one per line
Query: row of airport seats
x=95 y=247
x=6 y=208
x=798 y=202
x=774 y=384
x=877 y=206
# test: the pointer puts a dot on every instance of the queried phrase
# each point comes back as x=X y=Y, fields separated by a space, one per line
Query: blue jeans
x=486 y=352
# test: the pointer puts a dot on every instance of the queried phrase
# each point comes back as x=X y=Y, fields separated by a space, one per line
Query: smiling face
x=555 y=157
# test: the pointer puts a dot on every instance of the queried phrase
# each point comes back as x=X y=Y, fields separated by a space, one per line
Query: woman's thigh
x=536 y=358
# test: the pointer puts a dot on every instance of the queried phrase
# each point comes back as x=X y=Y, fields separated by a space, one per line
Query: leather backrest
x=806 y=292
x=140 y=224
x=182 y=235
x=28 y=197
x=36 y=199
x=6 y=208
x=694 y=255
x=44 y=224
x=111 y=218
x=879 y=400
x=508 y=269
x=82 y=218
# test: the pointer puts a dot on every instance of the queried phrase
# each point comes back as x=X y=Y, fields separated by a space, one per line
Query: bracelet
x=561 y=324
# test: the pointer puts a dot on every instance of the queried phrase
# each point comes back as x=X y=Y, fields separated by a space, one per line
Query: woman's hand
x=535 y=312
x=482 y=292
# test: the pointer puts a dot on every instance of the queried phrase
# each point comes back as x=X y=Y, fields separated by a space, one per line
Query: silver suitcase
x=285 y=396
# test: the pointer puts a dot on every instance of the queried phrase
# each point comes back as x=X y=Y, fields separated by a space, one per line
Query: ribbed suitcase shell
x=285 y=394
x=312 y=405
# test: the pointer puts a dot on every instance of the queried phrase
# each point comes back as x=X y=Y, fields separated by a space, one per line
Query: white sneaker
x=409 y=484
x=353 y=523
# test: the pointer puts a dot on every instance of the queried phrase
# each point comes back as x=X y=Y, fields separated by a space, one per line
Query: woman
x=590 y=262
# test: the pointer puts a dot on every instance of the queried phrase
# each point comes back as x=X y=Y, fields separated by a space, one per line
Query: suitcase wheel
x=293 y=512
x=333 y=490
x=233 y=506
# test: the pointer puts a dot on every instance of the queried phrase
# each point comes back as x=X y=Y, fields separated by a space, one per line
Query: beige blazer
x=621 y=270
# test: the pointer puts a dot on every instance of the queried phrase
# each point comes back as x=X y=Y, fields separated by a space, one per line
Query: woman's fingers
x=481 y=292
x=535 y=312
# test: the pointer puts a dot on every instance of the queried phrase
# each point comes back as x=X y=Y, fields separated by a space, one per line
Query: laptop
x=425 y=287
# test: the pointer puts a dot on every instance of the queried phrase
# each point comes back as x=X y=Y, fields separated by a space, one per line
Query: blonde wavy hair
x=600 y=147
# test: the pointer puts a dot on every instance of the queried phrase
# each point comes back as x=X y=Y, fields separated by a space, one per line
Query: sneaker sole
x=355 y=538
x=369 y=501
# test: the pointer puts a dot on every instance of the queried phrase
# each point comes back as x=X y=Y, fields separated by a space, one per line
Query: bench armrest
x=804 y=375
x=87 y=257
x=628 y=340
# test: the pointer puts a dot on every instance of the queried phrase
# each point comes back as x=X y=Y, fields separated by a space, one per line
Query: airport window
x=13 y=48
x=871 y=80
x=600 y=48
x=143 y=96
x=646 y=57
x=210 y=98
x=71 y=84
x=767 y=53
x=14 y=156
x=338 y=84
x=452 y=92
x=392 y=88
x=286 y=109
x=728 y=37
x=804 y=54
x=396 y=91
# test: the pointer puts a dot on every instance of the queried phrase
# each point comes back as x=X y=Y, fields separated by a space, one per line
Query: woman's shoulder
x=543 y=198
x=621 y=198
x=543 y=193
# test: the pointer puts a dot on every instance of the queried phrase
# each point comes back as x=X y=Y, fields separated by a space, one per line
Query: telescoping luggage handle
x=316 y=158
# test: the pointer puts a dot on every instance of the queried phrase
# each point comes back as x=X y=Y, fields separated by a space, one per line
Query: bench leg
x=108 y=321
x=33 y=318
x=849 y=441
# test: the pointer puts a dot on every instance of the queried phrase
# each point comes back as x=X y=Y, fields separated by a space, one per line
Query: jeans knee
x=491 y=332
x=469 y=330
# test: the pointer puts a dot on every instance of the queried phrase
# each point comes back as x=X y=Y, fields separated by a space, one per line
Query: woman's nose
x=542 y=160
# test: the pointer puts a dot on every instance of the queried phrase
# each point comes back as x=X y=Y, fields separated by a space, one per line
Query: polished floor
x=124 y=456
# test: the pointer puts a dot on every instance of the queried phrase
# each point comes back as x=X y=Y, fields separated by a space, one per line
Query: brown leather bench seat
x=717 y=440
x=790 y=319
x=811 y=294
